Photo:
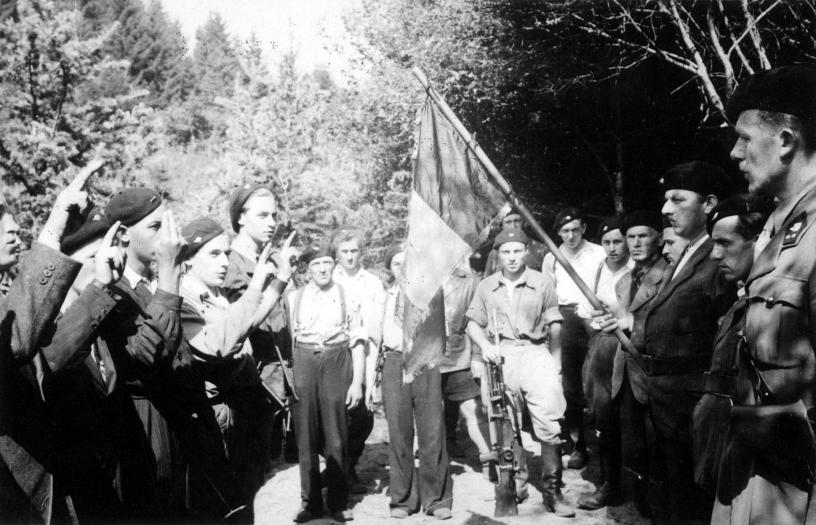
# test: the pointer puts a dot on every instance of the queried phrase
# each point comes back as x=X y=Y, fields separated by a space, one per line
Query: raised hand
x=287 y=254
x=170 y=250
x=109 y=262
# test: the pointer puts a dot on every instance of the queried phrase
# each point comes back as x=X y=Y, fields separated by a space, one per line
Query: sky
x=307 y=26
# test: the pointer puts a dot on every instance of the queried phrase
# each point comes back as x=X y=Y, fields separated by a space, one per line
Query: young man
x=253 y=215
x=585 y=257
x=349 y=272
x=673 y=245
x=10 y=247
x=519 y=308
x=774 y=113
x=675 y=333
x=536 y=252
x=329 y=357
x=406 y=406
x=597 y=371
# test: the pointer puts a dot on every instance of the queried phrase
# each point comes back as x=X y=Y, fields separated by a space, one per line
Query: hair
x=347 y=235
x=806 y=129
x=750 y=224
x=260 y=192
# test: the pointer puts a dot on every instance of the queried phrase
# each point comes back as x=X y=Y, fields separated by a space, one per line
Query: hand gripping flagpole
x=508 y=192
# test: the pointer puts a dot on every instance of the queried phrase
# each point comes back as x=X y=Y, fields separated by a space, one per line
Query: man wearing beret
x=775 y=115
x=597 y=371
x=156 y=364
x=253 y=214
x=585 y=257
x=674 y=332
x=535 y=253
x=519 y=308
x=326 y=324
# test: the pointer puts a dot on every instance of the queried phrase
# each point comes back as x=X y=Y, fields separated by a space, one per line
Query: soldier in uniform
x=674 y=332
x=597 y=372
x=775 y=115
x=518 y=307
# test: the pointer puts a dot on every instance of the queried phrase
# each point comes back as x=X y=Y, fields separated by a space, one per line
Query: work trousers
x=322 y=380
x=419 y=402
x=574 y=345
x=597 y=374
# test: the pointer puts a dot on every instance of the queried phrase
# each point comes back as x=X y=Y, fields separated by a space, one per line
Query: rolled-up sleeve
x=477 y=310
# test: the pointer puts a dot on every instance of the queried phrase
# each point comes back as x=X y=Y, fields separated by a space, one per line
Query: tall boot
x=551 y=469
x=607 y=490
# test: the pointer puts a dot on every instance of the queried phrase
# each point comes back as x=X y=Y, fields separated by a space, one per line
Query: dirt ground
x=279 y=499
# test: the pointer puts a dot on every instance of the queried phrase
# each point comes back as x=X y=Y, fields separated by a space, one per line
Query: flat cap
x=739 y=204
x=786 y=89
x=199 y=232
x=650 y=218
x=237 y=200
x=609 y=224
x=132 y=205
x=315 y=251
x=506 y=236
x=567 y=215
x=94 y=227
x=698 y=176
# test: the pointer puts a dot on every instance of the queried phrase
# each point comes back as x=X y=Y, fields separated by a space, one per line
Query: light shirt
x=585 y=262
x=608 y=280
x=133 y=279
x=392 y=319
x=369 y=289
x=688 y=253
x=319 y=320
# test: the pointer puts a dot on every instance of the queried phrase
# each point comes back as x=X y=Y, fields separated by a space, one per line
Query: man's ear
x=709 y=203
x=789 y=142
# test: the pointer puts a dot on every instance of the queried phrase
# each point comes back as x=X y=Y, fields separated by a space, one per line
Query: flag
x=451 y=207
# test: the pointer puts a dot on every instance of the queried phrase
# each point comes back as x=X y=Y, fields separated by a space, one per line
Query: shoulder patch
x=794 y=231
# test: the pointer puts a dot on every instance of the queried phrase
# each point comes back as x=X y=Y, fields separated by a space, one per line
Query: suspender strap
x=298 y=302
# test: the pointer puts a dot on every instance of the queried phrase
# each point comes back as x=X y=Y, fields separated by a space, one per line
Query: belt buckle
x=319 y=347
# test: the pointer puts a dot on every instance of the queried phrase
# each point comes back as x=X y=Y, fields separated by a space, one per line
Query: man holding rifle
x=528 y=325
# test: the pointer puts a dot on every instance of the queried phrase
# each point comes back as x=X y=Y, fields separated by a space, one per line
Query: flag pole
x=508 y=192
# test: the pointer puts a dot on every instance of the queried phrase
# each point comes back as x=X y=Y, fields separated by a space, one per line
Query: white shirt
x=134 y=278
x=586 y=263
x=369 y=289
x=605 y=290
x=688 y=253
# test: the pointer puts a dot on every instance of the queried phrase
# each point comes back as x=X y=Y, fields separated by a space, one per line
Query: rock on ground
x=279 y=499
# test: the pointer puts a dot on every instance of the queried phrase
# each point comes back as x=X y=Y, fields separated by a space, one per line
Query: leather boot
x=607 y=491
x=551 y=469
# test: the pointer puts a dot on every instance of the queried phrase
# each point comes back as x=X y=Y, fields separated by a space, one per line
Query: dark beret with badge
x=567 y=215
x=740 y=204
x=697 y=176
x=131 y=205
x=199 y=232
x=95 y=226
x=237 y=201
x=609 y=224
x=786 y=89
x=316 y=251
x=651 y=218
x=506 y=236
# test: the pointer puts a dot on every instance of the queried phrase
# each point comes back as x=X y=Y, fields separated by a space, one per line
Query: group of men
x=149 y=370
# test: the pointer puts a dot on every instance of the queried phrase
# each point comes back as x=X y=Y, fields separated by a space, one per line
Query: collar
x=630 y=264
x=341 y=272
x=242 y=249
x=197 y=290
x=692 y=247
x=134 y=278
x=784 y=208
x=521 y=281
x=316 y=289
x=648 y=264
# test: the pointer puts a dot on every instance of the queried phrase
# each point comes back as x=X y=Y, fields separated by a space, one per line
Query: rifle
x=504 y=436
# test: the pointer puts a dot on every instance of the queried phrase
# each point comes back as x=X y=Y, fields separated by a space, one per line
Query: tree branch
x=728 y=69
x=752 y=22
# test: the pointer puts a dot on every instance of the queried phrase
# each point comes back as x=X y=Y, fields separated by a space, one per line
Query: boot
x=608 y=487
x=551 y=469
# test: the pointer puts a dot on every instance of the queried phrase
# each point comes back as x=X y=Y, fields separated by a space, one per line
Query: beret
x=94 y=227
x=237 y=200
x=698 y=176
x=739 y=204
x=786 y=89
x=650 y=218
x=567 y=215
x=316 y=250
x=389 y=255
x=199 y=232
x=132 y=205
x=506 y=236
x=609 y=224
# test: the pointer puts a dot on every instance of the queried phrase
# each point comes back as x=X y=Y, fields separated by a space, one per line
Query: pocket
x=775 y=312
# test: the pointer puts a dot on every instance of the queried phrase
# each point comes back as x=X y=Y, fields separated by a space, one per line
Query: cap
x=567 y=215
x=698 y=176
x=94 y=227
x=316 y=250
x=739 y=204
x=389 y=255
x=650 y=218
x=132 y=205
x=786 y=89
x=609 y=224
x=199 y=232
x=237 y=200
x=506 y=236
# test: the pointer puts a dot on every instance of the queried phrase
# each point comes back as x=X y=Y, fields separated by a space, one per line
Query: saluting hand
x=170 y=250
x=109 y=261
x=287 y=254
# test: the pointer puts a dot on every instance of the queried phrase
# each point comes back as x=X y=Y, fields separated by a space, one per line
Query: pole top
x=421 y=77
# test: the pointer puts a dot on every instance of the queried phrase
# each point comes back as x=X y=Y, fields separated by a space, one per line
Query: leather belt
x=671 y=366
x=720 y=383
x=320 y=347
x=521 y=342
